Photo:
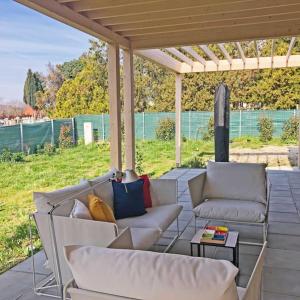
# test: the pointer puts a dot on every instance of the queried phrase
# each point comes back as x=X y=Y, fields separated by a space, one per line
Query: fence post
x=240 y=127
x=103 y=127
x=189 y=125
x=52 y=133
x=73 y=131
x=143 y=115
x=21 y=137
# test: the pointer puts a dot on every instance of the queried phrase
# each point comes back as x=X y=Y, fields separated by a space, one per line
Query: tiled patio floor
x=282 y=267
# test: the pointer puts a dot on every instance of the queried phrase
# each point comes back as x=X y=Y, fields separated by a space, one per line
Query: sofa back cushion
x=149 y=275
x=79 y=192
x=241 y=181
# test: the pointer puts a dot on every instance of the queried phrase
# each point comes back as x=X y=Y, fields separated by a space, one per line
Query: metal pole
x=189 y=125
x=21 y=137
x=103 y=128
x=73 y=131
x=240 y=127
x=52 y=133
x=143 y=115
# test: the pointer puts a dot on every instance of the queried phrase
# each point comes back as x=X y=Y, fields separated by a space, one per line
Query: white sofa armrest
x=163 y=191
x=196 y=185
x=123 y=240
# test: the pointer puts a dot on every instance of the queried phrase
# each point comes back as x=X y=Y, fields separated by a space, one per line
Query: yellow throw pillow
x=99 y=210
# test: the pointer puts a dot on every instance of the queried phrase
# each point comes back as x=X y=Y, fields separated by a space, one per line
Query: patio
x=281 y=271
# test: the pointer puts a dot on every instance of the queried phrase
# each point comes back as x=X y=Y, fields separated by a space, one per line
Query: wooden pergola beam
x=194 y=54
x=272 y=52
x=178 y=95
x=210 y=54
x=249 y=64
x=225 y=53
x=129 y=124
x=291 y=46
x=66 y=15
x=241 y=52
x=114 y=105
x=180 y=55
x=161 y=58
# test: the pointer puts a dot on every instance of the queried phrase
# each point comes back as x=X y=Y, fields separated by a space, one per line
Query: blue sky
x=29 y=39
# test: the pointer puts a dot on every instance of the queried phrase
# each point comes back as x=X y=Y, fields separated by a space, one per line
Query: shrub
x=8 y=156
x=290 y=129
x=139 y=160
x=209 y=134
x=49 y=149
x=197 y=161
x=166 y=130
x=266 y=129
x=65 y=137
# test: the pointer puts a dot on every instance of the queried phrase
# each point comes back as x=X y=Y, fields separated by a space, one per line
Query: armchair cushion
x=159 y=217
x=231 y=210
x=240 y=181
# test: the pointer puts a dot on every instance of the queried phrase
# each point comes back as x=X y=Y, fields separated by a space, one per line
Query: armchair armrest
x=196 y=185
x=163 y=191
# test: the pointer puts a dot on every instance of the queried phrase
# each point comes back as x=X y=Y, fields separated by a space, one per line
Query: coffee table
x=232 y=242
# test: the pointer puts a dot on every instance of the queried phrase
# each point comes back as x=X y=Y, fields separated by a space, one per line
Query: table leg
x=192 y=252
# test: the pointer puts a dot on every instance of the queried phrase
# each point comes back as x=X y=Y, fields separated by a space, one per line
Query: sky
x=29 y=39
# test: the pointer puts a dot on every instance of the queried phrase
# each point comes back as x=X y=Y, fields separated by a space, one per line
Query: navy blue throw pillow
x=128 y=199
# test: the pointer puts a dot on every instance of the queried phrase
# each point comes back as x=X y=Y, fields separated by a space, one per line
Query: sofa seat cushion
x=144 y=238
x=150 y=275
x=231 y=210
x=240 y=181
x=160 y=217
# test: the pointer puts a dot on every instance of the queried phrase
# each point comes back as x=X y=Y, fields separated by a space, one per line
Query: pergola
x=176 y=34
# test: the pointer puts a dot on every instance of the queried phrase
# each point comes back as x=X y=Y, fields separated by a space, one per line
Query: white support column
x=178 y=92
x=114 y=105
x=129 y=110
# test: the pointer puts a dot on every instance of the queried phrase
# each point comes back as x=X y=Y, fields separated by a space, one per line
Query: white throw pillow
x=80 y=211
x=149 y=275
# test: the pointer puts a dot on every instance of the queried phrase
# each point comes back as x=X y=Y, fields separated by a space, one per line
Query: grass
x=49 y=172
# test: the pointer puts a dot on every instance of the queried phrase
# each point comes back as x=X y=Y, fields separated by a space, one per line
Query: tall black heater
x=221 y=118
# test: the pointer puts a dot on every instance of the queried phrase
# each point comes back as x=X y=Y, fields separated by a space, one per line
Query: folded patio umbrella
x=221 y=120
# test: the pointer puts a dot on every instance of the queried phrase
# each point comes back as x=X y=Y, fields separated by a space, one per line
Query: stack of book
x=215 y=234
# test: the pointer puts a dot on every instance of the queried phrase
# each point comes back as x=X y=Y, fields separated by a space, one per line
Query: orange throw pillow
x=99 y=210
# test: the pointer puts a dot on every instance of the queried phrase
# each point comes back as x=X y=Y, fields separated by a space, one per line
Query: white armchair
x=231 y=192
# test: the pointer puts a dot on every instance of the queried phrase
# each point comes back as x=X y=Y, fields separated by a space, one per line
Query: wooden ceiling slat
x=156 y=7
x=90 y=5
x=215 y=25
x=150 y=26
x=249 y=6
x=239 y=33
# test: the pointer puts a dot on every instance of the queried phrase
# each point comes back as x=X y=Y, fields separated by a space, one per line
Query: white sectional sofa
x=231 y=192
x=118 y=274
x=57 y=229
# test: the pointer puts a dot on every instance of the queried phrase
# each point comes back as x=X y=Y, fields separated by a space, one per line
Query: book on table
x=215 y=235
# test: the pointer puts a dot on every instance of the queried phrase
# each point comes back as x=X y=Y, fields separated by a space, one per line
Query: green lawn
x=45 y=173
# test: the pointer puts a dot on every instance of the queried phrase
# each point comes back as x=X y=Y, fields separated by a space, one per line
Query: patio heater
x=221 y=120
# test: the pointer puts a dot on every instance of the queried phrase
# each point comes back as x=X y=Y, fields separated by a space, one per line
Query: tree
x=46 y=99
x=32 y=85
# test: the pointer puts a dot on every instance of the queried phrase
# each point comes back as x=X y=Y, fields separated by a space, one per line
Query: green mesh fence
x=28 y=137
x=194 y=124
x=10 y=137
x=100 y=126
